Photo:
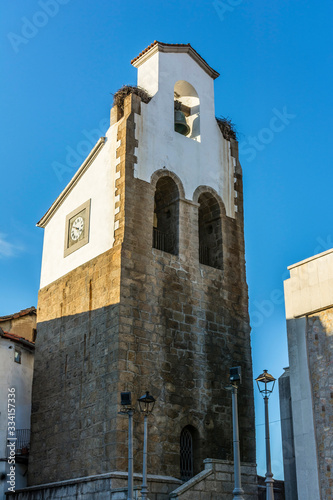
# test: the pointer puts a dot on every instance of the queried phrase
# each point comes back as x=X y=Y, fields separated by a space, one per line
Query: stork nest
x=125 y=90
x=227 y=128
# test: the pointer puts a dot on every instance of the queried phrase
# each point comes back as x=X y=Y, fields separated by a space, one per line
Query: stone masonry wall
x=217 y=482
x=75 y=389
x=182 y=326
x=320 y=352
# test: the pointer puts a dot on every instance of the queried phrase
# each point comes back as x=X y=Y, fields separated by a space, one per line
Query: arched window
x=210 y=231
x=190 y=460
x=166 y=216
x=187 y=110
x=186 y=454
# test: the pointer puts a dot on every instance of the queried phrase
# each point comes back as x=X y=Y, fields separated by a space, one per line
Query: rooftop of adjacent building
x=309 y=259
x=310 y=286
x=21 y=325
x=286 y=373
x=16 y=338
x=23 y=312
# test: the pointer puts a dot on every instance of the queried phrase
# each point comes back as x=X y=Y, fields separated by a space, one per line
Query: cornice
x=309 y=259
x=175 y=48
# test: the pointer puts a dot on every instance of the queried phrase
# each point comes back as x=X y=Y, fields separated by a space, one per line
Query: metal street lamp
x=265 y=383
x=146 y=404
x=235 y=379
x=127 y=409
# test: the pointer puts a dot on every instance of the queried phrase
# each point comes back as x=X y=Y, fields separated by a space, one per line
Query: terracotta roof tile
x=16 y=338
x=214 y=74
x=163 y=44
x=24 y=312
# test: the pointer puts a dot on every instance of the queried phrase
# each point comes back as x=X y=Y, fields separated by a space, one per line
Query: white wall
x=196 y=163
x=310 y=286
x=309 y=289
x=18 y=376
x=97 y=184
x=302 y=410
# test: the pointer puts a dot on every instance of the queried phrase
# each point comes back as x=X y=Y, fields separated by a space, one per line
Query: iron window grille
x=162 y=241
x=186 y=455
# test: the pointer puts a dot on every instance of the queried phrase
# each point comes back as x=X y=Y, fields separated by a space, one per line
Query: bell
x=181 y=125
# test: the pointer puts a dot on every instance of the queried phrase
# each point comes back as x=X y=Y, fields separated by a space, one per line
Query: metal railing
x=159 y=239
x=162 y=241
x=204 y=257
x=22 y=441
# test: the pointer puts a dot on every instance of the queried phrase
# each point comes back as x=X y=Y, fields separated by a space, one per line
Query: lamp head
x=265 y=383
x=146 y=403
x=125 y=399
x=235 y=376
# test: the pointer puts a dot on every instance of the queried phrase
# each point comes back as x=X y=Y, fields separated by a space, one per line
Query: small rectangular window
x=17 y=356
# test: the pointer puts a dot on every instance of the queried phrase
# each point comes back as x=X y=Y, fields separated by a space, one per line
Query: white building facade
x=16 y=371
x=309 y=313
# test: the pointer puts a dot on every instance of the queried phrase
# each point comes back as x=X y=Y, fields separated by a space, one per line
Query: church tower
x=143 y=286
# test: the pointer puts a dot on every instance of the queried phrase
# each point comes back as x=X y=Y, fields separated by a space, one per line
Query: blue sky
x=59 y=69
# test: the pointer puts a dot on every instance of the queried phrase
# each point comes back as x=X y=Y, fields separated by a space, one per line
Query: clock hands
x=77 y=231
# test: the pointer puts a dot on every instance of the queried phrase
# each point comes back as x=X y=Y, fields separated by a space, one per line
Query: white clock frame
x=72 y=245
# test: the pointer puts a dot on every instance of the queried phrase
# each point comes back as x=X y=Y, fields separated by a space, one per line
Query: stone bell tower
x=143 y=286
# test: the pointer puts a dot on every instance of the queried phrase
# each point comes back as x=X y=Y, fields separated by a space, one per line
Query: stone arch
x=162 y=172
x=210 y=228
x=207 y=189
x=166 y=215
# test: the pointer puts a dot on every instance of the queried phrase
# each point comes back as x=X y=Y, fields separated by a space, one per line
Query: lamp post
x=235 y=379
x=265 y=383
x=146 y=404
x=127 y=409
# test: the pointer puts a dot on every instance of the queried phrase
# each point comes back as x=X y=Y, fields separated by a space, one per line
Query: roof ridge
x=162 y=44
x=190 y=50
x=23 y=312
x=15 y=337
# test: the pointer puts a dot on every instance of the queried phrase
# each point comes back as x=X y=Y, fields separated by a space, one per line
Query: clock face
x=77 y=228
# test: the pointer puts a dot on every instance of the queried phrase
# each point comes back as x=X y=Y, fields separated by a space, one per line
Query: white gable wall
x=97 y=184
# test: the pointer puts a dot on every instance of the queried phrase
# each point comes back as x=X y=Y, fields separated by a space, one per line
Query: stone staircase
x=215 y=482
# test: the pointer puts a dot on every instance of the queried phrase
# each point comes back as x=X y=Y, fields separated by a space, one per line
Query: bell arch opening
x=189 y=441
x=187 y=110
x=166 y=216
x=210 y=231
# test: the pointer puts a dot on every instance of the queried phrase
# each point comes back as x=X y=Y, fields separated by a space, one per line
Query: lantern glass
x=146 y=403
x=265 y=383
